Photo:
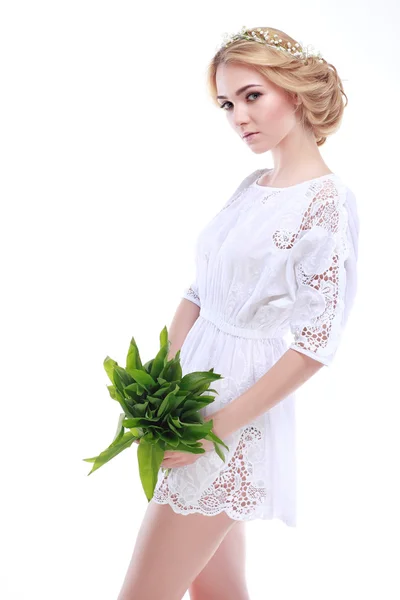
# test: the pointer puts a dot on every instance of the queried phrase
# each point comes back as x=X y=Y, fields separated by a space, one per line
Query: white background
x=113 y=158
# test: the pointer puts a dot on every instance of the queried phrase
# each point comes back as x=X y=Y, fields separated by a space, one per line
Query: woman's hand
x=174 y=458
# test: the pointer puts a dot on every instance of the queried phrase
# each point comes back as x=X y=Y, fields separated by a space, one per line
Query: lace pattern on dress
x=239 y=490
x=323 y=210
x=320 y=247
x=190 y=292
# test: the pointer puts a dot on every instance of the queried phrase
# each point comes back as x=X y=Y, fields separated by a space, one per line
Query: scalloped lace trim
x=239 y=490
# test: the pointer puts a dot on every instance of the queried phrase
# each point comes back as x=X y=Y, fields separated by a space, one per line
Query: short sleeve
x=192 y=293
x=323 y=264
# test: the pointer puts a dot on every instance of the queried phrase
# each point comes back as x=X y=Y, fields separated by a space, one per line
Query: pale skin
x=206 y=554
x=268 y=109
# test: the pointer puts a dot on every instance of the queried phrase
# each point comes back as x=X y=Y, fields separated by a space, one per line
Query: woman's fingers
x=169 y=461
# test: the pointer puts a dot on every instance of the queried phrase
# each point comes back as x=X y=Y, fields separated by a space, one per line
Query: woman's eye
x=248 y=95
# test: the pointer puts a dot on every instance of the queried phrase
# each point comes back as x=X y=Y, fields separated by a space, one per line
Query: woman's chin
x=259 y=149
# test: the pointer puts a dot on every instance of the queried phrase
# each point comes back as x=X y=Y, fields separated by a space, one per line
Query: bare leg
x=224 y=576
x=170 y=551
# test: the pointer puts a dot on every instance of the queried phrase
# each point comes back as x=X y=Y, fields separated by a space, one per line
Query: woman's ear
x=294 y=99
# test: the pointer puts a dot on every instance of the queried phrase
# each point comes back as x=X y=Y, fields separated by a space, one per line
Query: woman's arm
x=283 y=378
x=185 y=316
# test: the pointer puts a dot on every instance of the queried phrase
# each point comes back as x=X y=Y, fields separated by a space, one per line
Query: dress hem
x=229 y=513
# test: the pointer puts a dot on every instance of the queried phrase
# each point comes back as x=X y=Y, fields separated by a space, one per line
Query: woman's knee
x=170 y=550
x=224 y=576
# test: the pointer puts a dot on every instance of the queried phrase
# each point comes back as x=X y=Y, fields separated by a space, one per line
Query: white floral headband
x=298 y=50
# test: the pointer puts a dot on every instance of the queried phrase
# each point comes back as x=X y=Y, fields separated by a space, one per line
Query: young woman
x=279 y=257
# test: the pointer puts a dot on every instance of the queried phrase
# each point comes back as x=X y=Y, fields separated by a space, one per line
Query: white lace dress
x=272 y=262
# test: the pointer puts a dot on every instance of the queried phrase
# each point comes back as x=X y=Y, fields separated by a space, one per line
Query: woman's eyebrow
x=242 y=89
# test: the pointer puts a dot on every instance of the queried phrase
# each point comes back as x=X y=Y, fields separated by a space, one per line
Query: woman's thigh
x=224 y=576
x=170 y=551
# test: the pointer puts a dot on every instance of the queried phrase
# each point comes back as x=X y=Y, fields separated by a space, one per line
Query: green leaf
x=134 y=391
x=161 y=392
x=208 y=399
x=172 y=426
x=195 y=404
x=194 y=427
x=157 y=431
x=196 y=380
x=111 y=390
x=120 y=398
x=192 y=416
x=219 y=452
x=164 y=337
x=159 y=361
x=115 y=448
x=137 y=432
x=176 y=421
x=143 y=379
x=154 y=401
x=141 y=389
x=170 y=437
x=120 y=429
x=178 y=412
x=175 y=402
x=150 y=457
x=166 y=388
x=109 y=365
x=182 y=447
x=119 y=384
x=169 y=403
x=141 y=422
x=135 y=422
x=211 y=436
x=139 y=410
x=133 y=361
x=172 y=370
x=196 y=431
x=124 y=376
x=200 y=389
x=147 y=366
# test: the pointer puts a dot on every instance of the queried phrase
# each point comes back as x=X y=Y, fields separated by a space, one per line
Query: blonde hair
x=316 y=84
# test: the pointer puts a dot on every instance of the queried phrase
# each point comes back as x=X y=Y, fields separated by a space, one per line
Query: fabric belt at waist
x=256 y=333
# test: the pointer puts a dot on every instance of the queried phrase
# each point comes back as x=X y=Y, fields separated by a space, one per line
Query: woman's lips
x=250 y=137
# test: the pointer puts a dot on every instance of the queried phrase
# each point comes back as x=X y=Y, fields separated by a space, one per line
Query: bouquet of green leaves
x=160 y=410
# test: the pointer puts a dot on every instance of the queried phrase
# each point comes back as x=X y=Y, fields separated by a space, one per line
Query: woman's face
x=262 y=107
